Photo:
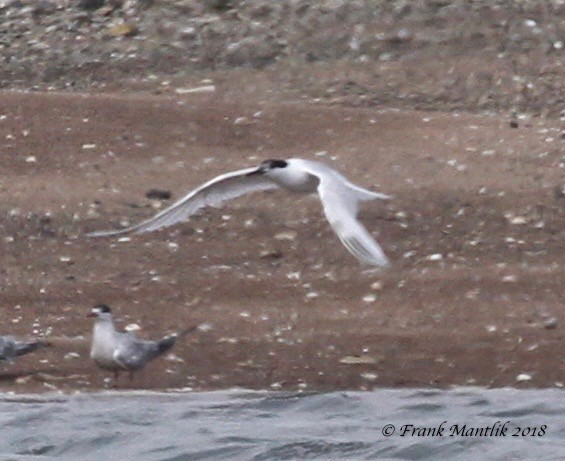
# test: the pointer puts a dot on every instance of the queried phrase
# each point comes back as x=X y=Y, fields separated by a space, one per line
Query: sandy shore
x=455 y=108
x=475 y=233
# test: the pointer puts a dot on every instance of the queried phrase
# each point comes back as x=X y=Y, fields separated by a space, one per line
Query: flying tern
x=123 y=351
x=340 y=200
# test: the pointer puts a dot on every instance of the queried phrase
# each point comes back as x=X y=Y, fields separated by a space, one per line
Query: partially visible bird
x=123 y=351
x=11 y=348
x=340 y=199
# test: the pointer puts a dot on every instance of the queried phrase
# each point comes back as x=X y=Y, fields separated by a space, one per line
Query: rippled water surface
x=241 y=425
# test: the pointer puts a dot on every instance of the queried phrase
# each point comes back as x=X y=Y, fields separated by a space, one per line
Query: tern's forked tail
x=365 y=195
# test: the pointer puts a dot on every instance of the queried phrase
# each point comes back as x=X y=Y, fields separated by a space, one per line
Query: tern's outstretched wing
x=340 y=202
x=212 y=193
x=341 y=216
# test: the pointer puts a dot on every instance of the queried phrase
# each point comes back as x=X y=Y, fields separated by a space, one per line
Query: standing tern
x=10 y=348
x=117 y=351
x=340 y=200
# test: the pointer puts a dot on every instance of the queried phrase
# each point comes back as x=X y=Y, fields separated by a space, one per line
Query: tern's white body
x=340 y=199
x=294 y=179
x=104 y=343
x=117 y=351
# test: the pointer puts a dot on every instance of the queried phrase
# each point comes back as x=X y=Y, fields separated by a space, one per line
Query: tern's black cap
x=103 y=308
x=274 y=163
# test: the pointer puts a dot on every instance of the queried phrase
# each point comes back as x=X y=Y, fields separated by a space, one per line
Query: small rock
x=158 y=194
x=242 y=121
x=132 y=327
x=293 y=275
x=270 y=254
x=288 y=235
x=358 y=360
x=205 y=327
x=551 y=323
x=378 y=285
x=174 y=358
x=198 y=89
x=369 y=376
x=122 y=30
x=42 y=7
x=90 y=4
x=71 y=355
x=514 y=124
x=518 y=220
x=523 y=377
x=254 y=51
x=106 y=10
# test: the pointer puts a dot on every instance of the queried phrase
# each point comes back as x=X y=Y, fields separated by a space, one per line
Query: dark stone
x=158 y=194
x=44 y=7
x=90 y=4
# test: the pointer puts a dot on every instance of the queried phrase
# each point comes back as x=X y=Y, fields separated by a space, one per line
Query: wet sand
x=475 y=232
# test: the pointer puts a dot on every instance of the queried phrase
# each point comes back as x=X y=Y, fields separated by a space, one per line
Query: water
x=242 y=425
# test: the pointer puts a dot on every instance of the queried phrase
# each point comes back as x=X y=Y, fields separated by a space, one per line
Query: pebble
x=198 y=89
x=523 y=377
x=518 y=220
x=378 y=285
x=71 y=355
x=358 y=360
x=158 y=194
x=205 y=327
x=174 y=358
x=293 y=275
x=242 y=121
x=287 y=235
x=122 y=30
